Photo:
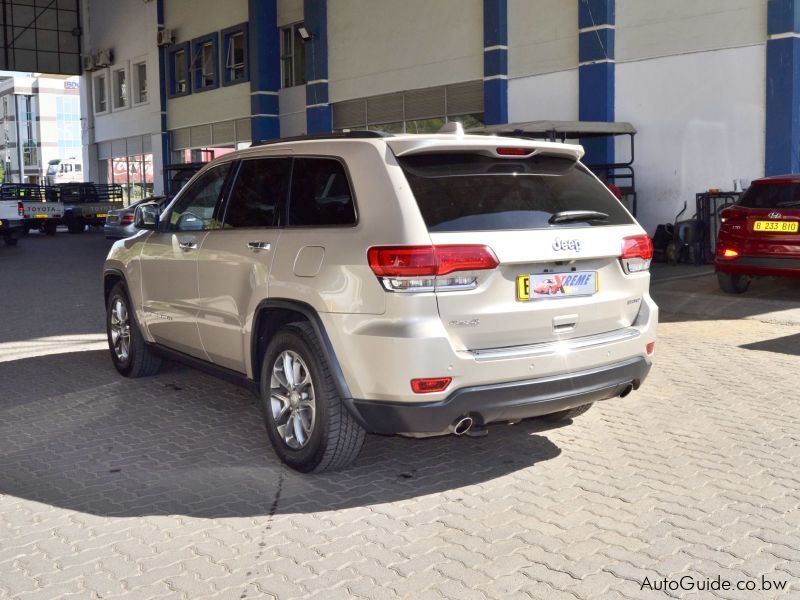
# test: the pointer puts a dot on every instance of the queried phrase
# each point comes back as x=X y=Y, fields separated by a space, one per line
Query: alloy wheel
x=292 y=399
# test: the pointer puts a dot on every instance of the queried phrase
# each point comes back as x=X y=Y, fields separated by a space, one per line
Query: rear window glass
x=471 y=192
x=771 y=195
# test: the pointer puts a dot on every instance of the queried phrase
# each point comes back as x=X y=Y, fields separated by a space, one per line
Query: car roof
x=788 y=178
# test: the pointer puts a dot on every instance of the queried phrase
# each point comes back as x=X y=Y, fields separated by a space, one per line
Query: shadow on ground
x=789 y=344
x=185 y=443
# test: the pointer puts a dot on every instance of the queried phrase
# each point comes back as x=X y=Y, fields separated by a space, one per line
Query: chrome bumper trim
x=557 y=347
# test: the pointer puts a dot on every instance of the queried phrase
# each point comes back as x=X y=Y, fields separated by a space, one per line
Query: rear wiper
x=566 y=216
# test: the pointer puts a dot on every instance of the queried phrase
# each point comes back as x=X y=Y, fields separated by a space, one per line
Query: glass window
x=235 y=54
x=120 y=89
x=195 y=210
x=179 y=70
x=140 y=74
x=293 y=56
x=100 y=100
x=259 y=192
x=204 y=62
x=471 y=192
x=780 y=194
x=320 y=194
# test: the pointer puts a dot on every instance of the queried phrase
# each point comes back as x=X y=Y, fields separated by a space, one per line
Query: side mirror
x=146 y=216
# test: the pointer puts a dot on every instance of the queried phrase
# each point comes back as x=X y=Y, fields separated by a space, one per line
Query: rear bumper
x=503 y=401
x=767 y=266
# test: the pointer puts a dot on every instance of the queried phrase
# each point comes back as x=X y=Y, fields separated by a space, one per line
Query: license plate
x=776 y=226
x=101 y=215
x=39 y=216
x=557 y=285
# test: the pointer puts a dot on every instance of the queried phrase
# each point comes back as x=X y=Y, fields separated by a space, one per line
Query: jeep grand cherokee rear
x=412 y=284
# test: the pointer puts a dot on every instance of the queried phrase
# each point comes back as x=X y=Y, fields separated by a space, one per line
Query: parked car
x=38 y=211
x=760 y=234
x=363 y=282
x=12 y=222
x=119 y=222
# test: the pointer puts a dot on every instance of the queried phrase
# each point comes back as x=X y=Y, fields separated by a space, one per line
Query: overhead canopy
x=559 y=129
x=40 y=36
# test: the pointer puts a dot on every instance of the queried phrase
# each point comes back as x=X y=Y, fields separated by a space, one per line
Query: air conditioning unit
x=165 y=37
x=103 y=58
x=87 y=62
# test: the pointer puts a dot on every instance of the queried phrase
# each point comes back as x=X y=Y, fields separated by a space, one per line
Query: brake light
x=730 y=214
x=637 y=252
x=423 y=268
x=430 y=385
x=728 y=253
x=126 y=220
x=20 y=209
x=514 y=151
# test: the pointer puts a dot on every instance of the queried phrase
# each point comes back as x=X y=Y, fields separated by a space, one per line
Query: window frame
x=172 y=57
x=121 y=68
x=196 y=62
x=227 y=35
x=135 y=63
x=291 y=55
x=164 y=225
x=104 y=75
x=280 y=208
x=357 y=213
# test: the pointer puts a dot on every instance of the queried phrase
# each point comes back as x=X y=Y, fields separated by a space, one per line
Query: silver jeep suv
x=409 y=284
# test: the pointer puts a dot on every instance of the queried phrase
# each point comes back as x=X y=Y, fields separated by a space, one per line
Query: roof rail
x=341 y=135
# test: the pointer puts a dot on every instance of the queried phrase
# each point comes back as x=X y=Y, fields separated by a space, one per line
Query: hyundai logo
x=775 y=215
x=560 y=244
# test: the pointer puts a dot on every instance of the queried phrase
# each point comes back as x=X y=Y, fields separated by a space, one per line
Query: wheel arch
x=274 y=313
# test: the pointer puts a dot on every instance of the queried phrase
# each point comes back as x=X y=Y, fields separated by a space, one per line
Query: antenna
x=454 y=128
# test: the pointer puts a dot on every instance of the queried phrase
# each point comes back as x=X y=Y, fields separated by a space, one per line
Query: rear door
x=234 y=262
x=559 y=275
x=770 y=209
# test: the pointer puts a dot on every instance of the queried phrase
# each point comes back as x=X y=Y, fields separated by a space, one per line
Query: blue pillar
x=495 y=61
x=783 y=88
x=319 y=118
x=265 y=69
x=162 y=100
x=596 y=73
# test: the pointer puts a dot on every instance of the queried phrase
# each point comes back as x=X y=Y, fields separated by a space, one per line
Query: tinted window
x=471 y=192
x=260 y=189
x=195 y=209
x=320 y=194
x=771 y=195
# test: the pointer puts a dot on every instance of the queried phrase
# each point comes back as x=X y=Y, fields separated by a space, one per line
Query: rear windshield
x=471 y=192
x=771 y=195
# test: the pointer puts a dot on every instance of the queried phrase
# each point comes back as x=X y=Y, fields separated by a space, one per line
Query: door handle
x=259 y=245
x=188 y=245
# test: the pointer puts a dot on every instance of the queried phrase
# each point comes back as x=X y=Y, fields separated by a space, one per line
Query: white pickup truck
x=39 y=211
x=12 y=222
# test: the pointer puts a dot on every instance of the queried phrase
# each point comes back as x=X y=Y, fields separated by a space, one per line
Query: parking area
x=167 y=487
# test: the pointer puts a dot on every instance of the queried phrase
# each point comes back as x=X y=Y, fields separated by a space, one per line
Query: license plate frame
x=540 y=286
x=779 y=226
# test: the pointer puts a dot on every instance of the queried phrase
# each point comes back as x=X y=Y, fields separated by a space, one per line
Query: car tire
x=566 y=415
x=50 y=228
x=10 y=240
x=731 y=283
x=308 y=424
x=76 y=226
x=137 y=359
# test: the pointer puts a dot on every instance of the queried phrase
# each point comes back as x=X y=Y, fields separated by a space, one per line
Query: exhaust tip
x=628 y=389
x=461 y=425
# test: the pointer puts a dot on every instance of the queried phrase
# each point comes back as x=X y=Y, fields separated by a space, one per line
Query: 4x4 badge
x=560 y=244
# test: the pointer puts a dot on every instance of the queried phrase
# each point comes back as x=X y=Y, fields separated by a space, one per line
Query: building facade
x=187 y=81
x=39 y=123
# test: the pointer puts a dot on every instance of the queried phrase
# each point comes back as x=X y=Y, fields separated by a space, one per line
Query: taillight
x=732 y=214
x=651 y=347
x=126 y=220
x=428 y=268
x=637 y=252
x=515 y=151
x=20 y=209
x=727 y=253
x=430 y=385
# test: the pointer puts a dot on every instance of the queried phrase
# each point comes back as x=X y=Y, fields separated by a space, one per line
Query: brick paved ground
x=167 y=487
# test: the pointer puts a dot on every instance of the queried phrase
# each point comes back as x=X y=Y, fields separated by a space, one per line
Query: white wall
x=650 y=28
x=701 y=120
x=290 y=11
x=542 y=36
x=553 y=96
x=292 y=102
x=380 y=47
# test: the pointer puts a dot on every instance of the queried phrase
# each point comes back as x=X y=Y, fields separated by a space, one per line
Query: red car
x=760 y=234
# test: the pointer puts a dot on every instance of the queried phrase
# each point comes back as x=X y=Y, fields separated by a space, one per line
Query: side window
x=321 y=194
x=194 y=211
x=259 y=191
